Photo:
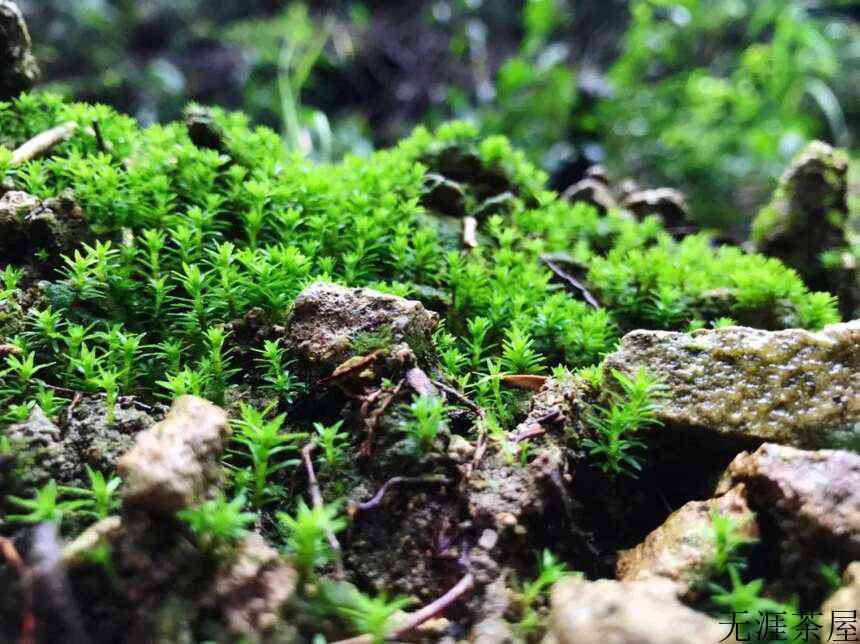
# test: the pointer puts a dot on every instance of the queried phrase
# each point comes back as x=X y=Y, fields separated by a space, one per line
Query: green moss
x=189 y=239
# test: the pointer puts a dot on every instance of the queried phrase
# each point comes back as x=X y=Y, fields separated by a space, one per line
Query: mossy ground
x=198 y=254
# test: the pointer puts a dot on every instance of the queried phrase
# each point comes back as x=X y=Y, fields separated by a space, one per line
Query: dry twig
x=397 y=480
x=371 y=421
x=571 y=280
x=461 y=397
x=317 y=500
x=28 y=618
x=43 y=142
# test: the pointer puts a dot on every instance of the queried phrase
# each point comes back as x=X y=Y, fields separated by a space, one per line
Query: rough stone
x=251 y=588
x=629 y=612
x=814 y=497
x=682 y=549
x=176 y=463
x=793 y=386
x=327 y=320
x=559 y=402
x=42 y=451
x=28 y=224
x=846 y=598
x=19 y=70
x=806 y=217
x=668 y=203
x=501 y=493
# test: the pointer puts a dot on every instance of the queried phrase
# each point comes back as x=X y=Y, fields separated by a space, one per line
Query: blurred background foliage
x=710 y=96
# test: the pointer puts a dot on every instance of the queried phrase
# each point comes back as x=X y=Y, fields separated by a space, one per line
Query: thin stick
x=317 y=499
x=470 y=229
x=100 y=139
x=372 y=420
x=9 y=350
x=434 y=608
x=43 y=142
x=414 y=620
x=570 y=279
x=397 y=480
x=461 y=397
x=28 y=618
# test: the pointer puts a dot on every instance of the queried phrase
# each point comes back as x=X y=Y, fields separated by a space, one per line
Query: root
x=317 y=500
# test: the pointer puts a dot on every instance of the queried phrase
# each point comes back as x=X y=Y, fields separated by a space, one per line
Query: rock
x=560 y=402
x=19 y=70
x=746 y=386
x=28 y=225
x=44 y=452
x=844 y=600
x=176 y=463
x=443 y=195
x=682 y=549
x=598 y=173
x=95 y=441
x=251 y=589
x=593 y=191
x=806 y=217
x=668 y=203
x=813 y=496
x=330 y=324
x=629 y=612
x=494 y=630
x=38 y=453
x=501 y=493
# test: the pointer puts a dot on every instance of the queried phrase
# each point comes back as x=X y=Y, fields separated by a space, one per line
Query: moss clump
x=190 y=238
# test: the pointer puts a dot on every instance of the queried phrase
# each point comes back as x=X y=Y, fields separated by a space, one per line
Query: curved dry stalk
x=43 y=142
x=397 y=480
x=317 y=500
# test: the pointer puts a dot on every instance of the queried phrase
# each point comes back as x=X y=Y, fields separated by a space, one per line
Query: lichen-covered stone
x=844 y=600
x=807 y=217
x=791 y=386
x=176 y=463
x=330 y=323
x=38 y=453
x=630 y=612
x=19 y=69
x=682 y=549
x=27 y=224
x=814 y=497
x=43 y=451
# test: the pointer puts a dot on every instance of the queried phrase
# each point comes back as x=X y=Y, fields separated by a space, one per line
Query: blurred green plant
x=715 y=97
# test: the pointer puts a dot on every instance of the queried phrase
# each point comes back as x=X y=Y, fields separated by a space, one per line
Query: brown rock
x=327 y=320
x=814 y=496
x=630 y=612
x=176 y=463
x=791 y=386
x=682 y=549
x=252 y=588
x=844 y=600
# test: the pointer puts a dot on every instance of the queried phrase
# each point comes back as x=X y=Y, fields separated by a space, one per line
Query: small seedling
x=218 y=522
x=428 y=422
x=305 y=535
